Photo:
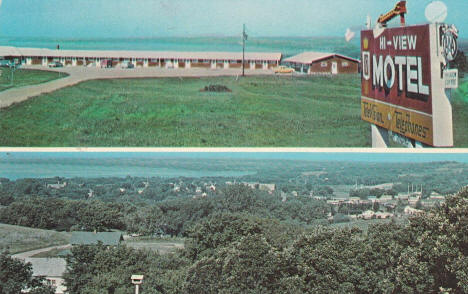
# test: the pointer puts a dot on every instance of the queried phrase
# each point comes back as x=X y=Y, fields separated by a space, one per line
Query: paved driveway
x=28 y=254
x=80 y=74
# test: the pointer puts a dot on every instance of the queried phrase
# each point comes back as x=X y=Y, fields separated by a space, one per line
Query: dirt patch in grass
x=216 y=89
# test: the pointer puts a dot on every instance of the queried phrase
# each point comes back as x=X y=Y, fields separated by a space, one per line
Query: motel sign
x=403 y=85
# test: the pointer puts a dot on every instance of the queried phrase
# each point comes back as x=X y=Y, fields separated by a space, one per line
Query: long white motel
x=161 y=59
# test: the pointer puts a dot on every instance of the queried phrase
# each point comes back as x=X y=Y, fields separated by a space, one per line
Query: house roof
x=127 y=54
x=311 y=57
x=91 y=238
x=48 y=267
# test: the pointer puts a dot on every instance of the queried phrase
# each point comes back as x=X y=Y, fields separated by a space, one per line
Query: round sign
x=449 y=45
x=436 y=11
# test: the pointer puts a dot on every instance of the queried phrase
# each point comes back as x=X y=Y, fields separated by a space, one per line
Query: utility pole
x=244 y=38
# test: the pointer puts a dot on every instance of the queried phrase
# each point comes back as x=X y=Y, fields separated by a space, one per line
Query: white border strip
x=397 y=106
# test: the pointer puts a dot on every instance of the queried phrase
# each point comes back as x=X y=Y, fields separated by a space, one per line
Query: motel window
x=345 y=64
x=233 y=61
x=324 y=64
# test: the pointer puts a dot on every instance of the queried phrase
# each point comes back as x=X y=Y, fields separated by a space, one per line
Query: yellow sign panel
x=409 y=123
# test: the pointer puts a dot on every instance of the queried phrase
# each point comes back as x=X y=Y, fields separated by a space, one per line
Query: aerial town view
x=234 y=222
x=218 y=146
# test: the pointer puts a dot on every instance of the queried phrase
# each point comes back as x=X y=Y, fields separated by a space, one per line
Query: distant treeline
x=171 y=216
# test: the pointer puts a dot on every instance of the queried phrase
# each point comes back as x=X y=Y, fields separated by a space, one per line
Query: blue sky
x=163 y=18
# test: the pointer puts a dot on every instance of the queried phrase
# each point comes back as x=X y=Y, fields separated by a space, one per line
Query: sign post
x=403 y=84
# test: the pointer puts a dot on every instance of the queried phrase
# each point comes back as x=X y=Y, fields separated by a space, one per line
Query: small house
x=322 y=63
x=51 y=269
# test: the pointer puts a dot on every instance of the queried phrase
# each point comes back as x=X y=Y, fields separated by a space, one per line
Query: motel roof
x=311 y=57
x=43 y=52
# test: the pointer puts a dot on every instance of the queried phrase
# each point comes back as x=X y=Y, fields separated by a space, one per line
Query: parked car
x=5 y=63
x=283 y=69
x=127 y=64
x=55 y=64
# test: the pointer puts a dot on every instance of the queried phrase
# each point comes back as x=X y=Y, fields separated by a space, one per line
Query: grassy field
x=460 y=113
x=266 y=111
x=19 y=239
x=25 y=77
x=163 y=246
x=260 y=111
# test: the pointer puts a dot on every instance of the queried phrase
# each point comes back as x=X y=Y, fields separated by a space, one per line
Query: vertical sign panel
x=396 y=81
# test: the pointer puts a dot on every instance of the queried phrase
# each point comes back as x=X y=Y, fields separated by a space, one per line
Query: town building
x=51 y=269
x=322 y=63
x=383 y=215
x=412 y=211
x=161 y=59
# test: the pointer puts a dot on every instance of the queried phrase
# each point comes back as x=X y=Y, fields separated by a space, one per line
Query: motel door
x=334 y=68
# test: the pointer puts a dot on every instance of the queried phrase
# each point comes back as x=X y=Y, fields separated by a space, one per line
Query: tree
x=250 y=265
x=15 y=276
x=460 y=63
x=101 y=269
x=437 y=257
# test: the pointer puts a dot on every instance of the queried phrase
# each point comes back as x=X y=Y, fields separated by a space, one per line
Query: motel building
x=322 y=63
x=161 y=59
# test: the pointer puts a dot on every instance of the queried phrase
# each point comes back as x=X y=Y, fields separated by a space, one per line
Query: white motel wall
x=164 y=59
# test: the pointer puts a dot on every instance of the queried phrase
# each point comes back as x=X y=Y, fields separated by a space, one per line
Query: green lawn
x=268 y=111
x=25 y=77
x=260 y=111
x=460 y=114
x=19 y=239
x=163 y=246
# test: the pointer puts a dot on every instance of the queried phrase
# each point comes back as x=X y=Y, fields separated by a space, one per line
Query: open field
x=26 y=77
x=163 y=246
x=19 y=239
x=460 y=113
x=260 y=111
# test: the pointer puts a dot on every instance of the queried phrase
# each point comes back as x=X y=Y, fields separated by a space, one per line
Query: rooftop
x=48 y=267
x=127 y=54
x=310 y=57
x=91 y=238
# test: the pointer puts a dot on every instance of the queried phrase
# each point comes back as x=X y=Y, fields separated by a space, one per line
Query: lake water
x=15 y=165
x=286 y=45
x=95 y=168
x=20 y=171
